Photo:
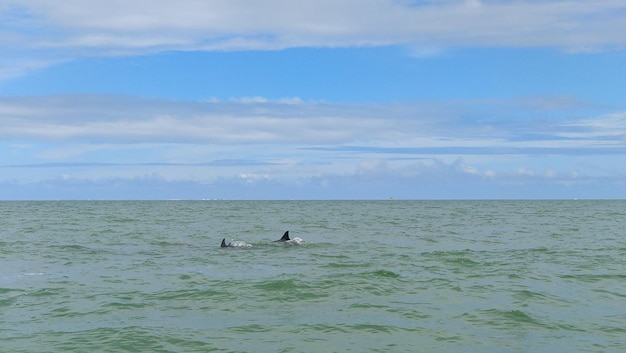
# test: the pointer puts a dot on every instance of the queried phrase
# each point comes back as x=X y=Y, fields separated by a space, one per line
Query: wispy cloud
x=126 y=119
x=281 y=23
x=292 y=145
x=537 y=122
x=46 y=32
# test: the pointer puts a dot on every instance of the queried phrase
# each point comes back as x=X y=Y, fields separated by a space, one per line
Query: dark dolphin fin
x=285 y=237
x=223 y=243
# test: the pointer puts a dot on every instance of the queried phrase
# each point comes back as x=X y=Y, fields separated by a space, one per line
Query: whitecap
x=239 y=244
x=296 y=241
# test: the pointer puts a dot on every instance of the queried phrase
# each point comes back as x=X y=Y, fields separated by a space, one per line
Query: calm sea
x=362 y=276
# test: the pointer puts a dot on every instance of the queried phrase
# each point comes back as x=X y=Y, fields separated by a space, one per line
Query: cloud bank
x=452 y=124
x=37 y=33
x=258 y=148
x=245 y=24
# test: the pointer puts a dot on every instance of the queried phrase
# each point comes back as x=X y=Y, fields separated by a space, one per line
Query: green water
x=379 y=276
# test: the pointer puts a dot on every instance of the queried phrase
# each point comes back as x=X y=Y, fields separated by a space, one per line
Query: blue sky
x=338 y=99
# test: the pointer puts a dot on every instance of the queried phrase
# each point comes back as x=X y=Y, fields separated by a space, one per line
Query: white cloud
x=376 y=166
x=38 y=34
x=525 y=171
x=252 y=120
x=397 y=128
x=92 y=27
x=267 y=143
x=253 y=178
x=610 y=128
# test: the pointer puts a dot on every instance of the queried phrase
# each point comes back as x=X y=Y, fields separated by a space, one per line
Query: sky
x=312 y=99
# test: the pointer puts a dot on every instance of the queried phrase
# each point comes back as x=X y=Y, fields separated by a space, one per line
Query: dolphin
x=284 y=238
x=224 y=245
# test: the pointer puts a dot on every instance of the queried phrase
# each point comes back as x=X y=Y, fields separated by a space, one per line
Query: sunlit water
x=365 y=276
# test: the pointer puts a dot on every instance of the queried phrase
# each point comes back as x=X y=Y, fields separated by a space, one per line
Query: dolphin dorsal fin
x=285 y=236
x=224 y=243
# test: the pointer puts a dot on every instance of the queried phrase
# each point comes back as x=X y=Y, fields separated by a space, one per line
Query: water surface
x=368 y=276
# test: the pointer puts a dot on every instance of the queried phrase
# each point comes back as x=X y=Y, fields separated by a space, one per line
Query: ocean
x=358 y=276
